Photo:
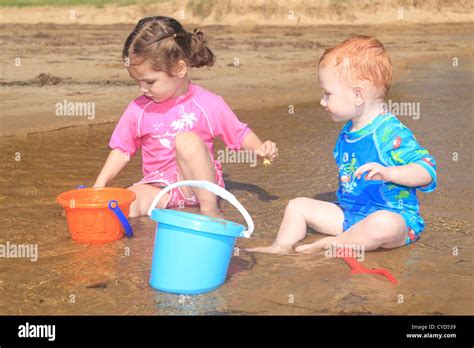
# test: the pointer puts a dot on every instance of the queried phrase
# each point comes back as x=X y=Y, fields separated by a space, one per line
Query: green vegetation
x=96 y=3
x=202 y=8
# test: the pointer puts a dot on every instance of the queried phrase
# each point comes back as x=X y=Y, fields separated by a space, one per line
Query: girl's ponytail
x=200 y=54
x=163 y=41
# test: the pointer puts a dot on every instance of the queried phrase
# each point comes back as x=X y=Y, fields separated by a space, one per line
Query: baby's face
x=156 y=85
x=338 y=97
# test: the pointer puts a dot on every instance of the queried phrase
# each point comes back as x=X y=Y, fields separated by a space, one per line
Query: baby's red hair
x=361 y=58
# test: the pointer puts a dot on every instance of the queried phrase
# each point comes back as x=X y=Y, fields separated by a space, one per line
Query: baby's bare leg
x=301 y=213
x=382 y=229
x=145 y=194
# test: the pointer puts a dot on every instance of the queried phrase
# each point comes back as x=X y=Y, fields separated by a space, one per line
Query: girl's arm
x=267 y=149
x=113 y=165
x=228 y=127
x=251 y=142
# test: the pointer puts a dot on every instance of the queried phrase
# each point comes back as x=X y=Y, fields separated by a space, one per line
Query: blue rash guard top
x=388 y=142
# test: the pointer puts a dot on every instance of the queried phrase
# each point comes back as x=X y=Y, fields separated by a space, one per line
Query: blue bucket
x=192 y=252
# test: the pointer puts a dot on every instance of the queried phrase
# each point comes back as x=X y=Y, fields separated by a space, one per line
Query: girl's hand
x=268 y=150
x=375 y=171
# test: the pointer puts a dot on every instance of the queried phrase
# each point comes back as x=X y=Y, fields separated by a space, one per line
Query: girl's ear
x=359 y=94
x=180 y=69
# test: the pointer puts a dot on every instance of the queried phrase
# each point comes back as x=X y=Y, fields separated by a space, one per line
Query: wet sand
x=104 y=281
x=276 y=66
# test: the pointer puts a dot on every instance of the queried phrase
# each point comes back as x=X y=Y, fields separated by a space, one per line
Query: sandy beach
x=262 y=69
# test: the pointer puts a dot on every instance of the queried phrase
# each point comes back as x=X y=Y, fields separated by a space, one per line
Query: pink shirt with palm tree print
x=154 y=127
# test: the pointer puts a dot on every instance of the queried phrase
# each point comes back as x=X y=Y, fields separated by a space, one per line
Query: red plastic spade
x=356 y=267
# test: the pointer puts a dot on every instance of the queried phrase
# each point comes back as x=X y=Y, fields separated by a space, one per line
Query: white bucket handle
x=217 y=190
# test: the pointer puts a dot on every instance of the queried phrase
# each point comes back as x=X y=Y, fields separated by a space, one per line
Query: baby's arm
x=407 y=163
x=410 y=175
x=113 y=165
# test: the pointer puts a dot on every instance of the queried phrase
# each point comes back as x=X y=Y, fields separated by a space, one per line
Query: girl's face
x=338 y=97
x=157 y=85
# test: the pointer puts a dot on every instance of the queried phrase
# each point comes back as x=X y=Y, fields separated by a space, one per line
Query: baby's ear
x=359 y=95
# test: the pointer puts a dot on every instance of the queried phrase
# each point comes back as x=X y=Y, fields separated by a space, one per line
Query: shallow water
x=70 y=278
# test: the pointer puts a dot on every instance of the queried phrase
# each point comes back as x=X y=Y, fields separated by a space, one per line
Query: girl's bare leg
x=145 y=194
x=195 y=163
x=301 y=213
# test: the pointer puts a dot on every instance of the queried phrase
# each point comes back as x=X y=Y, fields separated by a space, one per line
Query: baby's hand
x=268 y=150
x=375 y=171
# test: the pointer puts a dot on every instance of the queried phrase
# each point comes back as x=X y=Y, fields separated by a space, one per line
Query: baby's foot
x=272 y=249
x=310 y=248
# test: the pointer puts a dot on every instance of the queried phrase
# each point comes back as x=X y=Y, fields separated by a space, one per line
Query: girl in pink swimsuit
x=174 y=121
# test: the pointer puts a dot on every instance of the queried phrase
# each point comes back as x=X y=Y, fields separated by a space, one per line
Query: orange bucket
x=97 y=215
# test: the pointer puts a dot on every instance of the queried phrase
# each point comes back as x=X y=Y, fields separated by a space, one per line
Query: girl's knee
x=187 y=144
